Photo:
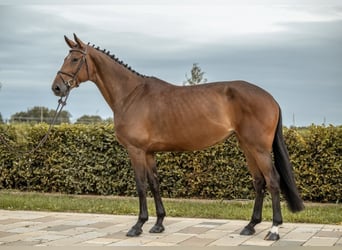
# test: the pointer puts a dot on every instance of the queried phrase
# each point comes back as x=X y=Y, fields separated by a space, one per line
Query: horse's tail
x=284 y=168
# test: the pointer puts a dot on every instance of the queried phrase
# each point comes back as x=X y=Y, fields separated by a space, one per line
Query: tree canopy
x=89 y=119
x=197 y=76
x=1 y=120
x=40 y=114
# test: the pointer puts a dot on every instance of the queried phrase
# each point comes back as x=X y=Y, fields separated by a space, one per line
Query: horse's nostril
x=57 y=88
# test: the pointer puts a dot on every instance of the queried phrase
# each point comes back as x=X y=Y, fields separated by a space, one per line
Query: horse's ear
x=80 y=44
x=70 y=43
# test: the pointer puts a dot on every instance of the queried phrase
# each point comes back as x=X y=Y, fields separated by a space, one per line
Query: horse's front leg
x=139 y=164
x=154 y=186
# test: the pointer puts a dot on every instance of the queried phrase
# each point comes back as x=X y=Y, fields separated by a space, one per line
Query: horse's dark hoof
x=247 y=231
x=156 y=229
x=134 y=232
x=272 y=236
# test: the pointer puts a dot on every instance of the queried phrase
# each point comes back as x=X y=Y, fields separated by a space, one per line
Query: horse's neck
x=114 y=81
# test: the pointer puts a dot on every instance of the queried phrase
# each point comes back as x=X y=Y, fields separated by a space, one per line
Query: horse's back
x=172 y=117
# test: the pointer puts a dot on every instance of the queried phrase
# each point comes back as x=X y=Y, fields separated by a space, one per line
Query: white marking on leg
x=274 y=230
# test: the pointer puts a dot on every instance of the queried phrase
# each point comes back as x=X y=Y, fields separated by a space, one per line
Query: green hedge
x=87 y=159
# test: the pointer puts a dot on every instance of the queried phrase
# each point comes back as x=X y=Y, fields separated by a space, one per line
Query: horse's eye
x=74 y=60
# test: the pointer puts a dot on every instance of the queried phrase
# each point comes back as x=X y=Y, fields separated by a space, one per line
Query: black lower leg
x=273 y=234
x=257 y=210
x=136 y=230
x=154 y=185
x=158 y=227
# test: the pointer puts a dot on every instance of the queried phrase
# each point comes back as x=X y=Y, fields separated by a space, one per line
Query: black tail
x=284 y=168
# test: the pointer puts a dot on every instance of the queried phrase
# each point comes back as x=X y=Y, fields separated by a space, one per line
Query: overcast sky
x=293 y=49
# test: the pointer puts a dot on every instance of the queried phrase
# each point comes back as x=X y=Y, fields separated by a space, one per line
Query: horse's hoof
x=157 y=229
x=272 y=236
x=134 y=232
x=247 y=231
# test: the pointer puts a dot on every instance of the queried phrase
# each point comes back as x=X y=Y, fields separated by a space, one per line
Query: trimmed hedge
x=87 y=159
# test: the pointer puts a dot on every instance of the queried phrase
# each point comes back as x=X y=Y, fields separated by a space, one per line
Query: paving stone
x=75 y=231
x=99 y=241
x=339 y=242
x=21 y=243
x=193 y=230
x=230 y=240
x=213 y=234
x=321 y=241
x=90 y=235
x=180 y=225
x=196 y=242
x=174 y=238
x=117 y=235
x=302 y=233
x=232 y=226
x=59 y=228
x=13 y=237
x=68 y=241
x=210 y=224
x=258 y=240
x=81 y=222
x=45 y=219
x=27 y=228
x=288 y=243
x=5 y=234
x=101 y=224
x=333 y=227
x=333 y=233
x=170 y=221
x=135 y=241
x=46 y=236
x=9 y=221
x=115 y=229
x=158 y=244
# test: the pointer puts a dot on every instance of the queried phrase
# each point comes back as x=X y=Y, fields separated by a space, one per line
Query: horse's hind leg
x=273 y=185
x=259 y=185
x=263 y=173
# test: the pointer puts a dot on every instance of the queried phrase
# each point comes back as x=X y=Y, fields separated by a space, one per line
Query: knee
x=259 y=185
x=273 y=187
x=273 y=183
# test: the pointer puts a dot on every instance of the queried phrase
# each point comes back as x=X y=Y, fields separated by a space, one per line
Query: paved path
x=26 y=229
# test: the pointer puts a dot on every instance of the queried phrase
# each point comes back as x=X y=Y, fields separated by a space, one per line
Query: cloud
x=190 y=23
x=292 y=49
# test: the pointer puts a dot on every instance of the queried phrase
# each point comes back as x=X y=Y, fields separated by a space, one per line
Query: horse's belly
x=190 y=139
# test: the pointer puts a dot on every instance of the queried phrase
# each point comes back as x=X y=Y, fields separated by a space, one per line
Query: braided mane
x=116 y=59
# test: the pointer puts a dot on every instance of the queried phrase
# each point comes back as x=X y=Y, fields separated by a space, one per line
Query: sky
x=292 y=49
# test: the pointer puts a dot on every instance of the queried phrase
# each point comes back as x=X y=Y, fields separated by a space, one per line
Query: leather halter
x=71 y=83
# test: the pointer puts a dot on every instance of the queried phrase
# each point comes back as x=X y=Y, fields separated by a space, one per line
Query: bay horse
x=151 y=115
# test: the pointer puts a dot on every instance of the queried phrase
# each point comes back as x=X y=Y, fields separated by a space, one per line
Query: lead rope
x=58 y=111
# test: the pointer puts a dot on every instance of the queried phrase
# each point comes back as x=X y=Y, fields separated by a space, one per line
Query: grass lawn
x=314 y=212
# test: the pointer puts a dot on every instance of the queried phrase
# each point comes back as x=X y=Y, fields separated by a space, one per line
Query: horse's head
x=74 y=70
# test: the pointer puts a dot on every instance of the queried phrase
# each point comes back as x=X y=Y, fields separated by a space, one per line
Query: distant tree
x=197 y=76
x=109 y=120
x=40 y=114
x=89 y=119
x=1 y=120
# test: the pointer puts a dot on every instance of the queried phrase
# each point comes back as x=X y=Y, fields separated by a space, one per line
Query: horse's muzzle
x=60 y=89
